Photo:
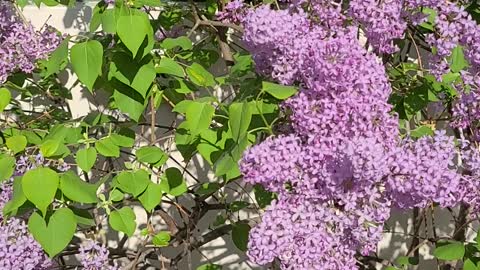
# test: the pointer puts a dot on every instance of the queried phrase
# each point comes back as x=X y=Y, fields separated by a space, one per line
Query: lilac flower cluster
x=233 y=12
x=341 y=166
x=423 y=172
x=20 y=44
x=383 y=22
x=18 y=249
x=94 y=256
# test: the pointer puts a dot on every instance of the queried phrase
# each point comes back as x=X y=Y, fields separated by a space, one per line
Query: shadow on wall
x=78 y=17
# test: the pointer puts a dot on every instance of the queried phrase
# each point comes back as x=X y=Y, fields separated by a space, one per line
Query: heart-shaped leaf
x=17 y=143
x=39 y=186
x=55 y=236
x=133 y=39
x=86 y=59
x=123 y=220
x=133 y=182
x=151 y=197
x=86 y=158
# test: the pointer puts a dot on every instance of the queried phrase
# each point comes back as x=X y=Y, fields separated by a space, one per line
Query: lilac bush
x=334 y=112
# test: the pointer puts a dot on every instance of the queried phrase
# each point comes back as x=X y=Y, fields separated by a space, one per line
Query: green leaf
x=199 y=116
x=172 y=182
x=469 y=265
x=122 y=141
x=87 y=59
x=96 y=19
x=133 y=182
x=58 y=59
x=237 y=206
x=133 y=29
x=262 y=196
x=7 y=167
x=200 y=76
x=5 y=98
x=169 y=66
x=55 y=236
x=421 y=131
x=78 y=190
x=123 y=220
x=18 y=198
x=161 y=239
x=127 y=101
x=449 y=251
x=116 y=195
x=49 y=148
x=17 y=143
x=151 y=197
x=150 y=154
x=240 y=115
x=183 y=42
x=83 y=217
x=457 y=60
x=86 y=158
x=279 y=91
x=405 y=261
x=209 y=267
x=207 y=188
x=109 y=21
x=107 y=148
x=240 y=235
x=39 y=186
x=138 y=76
x=416 y=100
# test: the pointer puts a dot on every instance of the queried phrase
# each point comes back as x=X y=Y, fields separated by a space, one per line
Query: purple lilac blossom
x=20 y=44
x=94 y=256
x=233 y=12
x=341 y=166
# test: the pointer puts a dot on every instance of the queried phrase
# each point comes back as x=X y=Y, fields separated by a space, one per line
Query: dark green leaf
x=240 y=235
x=78 y=190
x=172 y=182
